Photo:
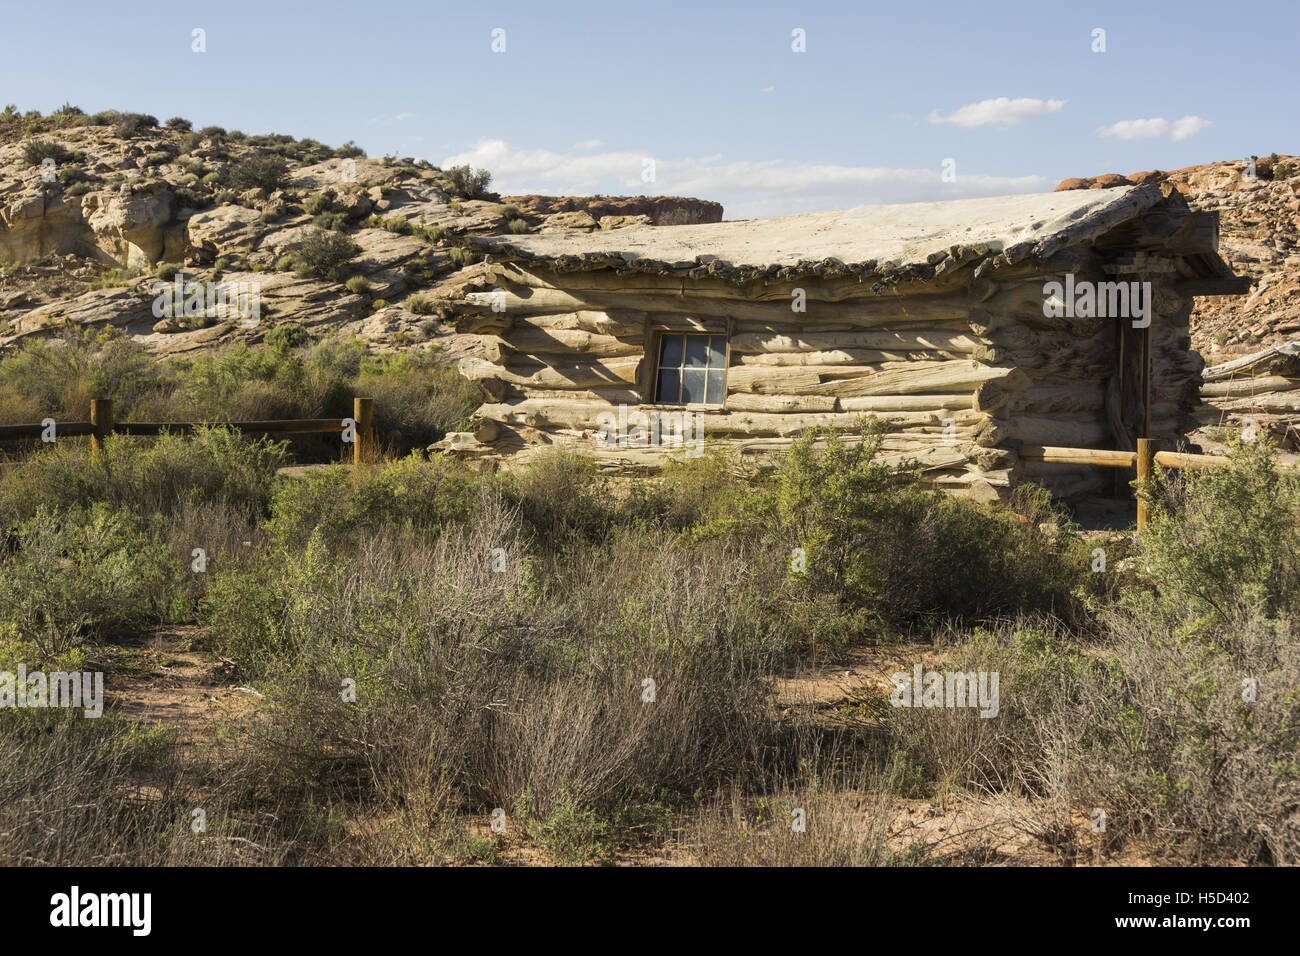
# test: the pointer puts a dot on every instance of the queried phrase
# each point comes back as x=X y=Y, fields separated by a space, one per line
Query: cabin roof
x=912 y=240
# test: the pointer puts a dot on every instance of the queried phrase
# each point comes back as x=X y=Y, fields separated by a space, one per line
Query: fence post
x=101 y=419
x=363 y=413
x=1146 y=461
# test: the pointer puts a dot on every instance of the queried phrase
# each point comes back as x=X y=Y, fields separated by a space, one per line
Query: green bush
x=1222 y=543
x=79 y=575
x=130 y=125
x=419 y=304
x=468 y=183
x=314 y=205
x=36 y=151
x=358 y=285
x=180 y=124
x=287 y=336
x=259 y=172
x=326 y=254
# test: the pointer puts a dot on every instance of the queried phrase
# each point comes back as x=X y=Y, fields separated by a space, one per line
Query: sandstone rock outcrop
x=658 y=208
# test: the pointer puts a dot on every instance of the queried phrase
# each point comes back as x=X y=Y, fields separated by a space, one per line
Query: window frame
x=654 y=347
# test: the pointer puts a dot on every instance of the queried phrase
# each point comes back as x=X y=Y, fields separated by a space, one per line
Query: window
x=692 y=369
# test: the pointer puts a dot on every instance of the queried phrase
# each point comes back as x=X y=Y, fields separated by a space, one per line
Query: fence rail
x=1147 y=456
x=101 y=425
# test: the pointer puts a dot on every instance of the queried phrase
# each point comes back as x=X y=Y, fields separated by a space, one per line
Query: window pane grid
x=691 y=369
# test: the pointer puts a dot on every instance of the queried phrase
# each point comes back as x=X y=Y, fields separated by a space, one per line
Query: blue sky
x=585 y=93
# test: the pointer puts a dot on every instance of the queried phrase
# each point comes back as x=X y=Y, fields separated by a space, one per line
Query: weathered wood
x=611 y=322
x=844 y=357
x=1078 y=456
x=818 y=342
x=906 y=403
x=750 y=402
x=1278 y=360
x=537 y=341
x=557 y=374
x=1244 y=387
x=926 y=377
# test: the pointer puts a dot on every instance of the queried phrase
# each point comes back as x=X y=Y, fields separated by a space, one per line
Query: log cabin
x=970 y=329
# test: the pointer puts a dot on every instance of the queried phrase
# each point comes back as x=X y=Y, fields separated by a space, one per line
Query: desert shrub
x=79 y=575
x=151 y=476
x=468 y=183
x=167 y=270
x=419 y=304
x=462 y=256
x=337 y=505
x=1152 y=728
x=1222 y=542
x=319 y=203
x=259 y=172
x=129 y=125
x=212 y=132
x=287 y=336
x=224 y=196
x=350 y=150
x=358 y=285
x=36 y=151
x=689 y=492
x=560 y=493
x=191 y=198
x=334 y=221
x=428 y=622
x=517 y=226
x=418 y=398
x=180 y=124
x=325 y=254
x=874 y=539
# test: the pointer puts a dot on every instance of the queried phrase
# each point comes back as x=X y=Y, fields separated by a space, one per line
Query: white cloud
x=1179 y=130
x=767 y=89
x=587 y=144
x=1187 y=127
x=1135 y=129
x=746 y=188
x=388 y=119
x=999 y=112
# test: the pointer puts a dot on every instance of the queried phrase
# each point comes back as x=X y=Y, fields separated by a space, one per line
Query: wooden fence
x=1147 y=456
x=101 y=425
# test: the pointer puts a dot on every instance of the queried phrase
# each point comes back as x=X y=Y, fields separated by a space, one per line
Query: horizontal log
x=750 y=402
x=889 y=340
x=1245 y=387
x=585 y=416
x=844 y=357
x=611 y=322
x=926 y=377
x=1079 y=456
x=557 y=375
x=907 y=403
x=537 y=341
x=69 y=429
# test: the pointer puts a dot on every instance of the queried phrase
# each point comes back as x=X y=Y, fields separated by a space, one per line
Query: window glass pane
x=670 y=380
x=670 y=351
x=697 y=351
x=717 y=351
x=693 y=385
x=716 y=385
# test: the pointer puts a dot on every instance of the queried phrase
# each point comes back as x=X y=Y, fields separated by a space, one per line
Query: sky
x=769 y=108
